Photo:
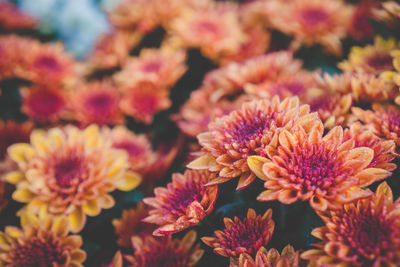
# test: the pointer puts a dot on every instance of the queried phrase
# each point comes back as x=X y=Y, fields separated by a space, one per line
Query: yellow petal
x=128 y=182
x=203 y=162
x=23 y=195
x=14 y=177
x=77 y=220
x=92 y=208
x=20 y=153
x=255 y=164
x=13 y=231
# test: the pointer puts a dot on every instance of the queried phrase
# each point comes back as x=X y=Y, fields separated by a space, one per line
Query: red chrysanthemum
x=160 y=67
x=131 y=224
x=242 y=236
x=384 y=150
x=97 y=102
x=246 y=132
x=184 y=203
x=43 y=104
x=11 y=18
x=151 y=252
x=384 y=121
x=270 y=258
x=363 y=233
x=324 y=170
x=144 y=100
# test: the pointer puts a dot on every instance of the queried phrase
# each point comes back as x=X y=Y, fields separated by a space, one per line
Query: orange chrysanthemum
x=131 y=224
x=363 y=233
x=43 y=103
x=96 y=102
x=246 y=132
x=40 y=242
x=215 y=29
x=373 y=59
x=312 y=22
x=112 y=49
x=144 y=100
x=389 y=13
x=242 y=236
x=184 y=203
x=166 y=251
x=161 y=67
x=384 y=121
x=327 y=171
x=11 y=18
x=270 y=258
x=69 y=172
x=384 y=150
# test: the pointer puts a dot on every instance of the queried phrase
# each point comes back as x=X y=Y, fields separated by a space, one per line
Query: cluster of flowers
x=259 y=115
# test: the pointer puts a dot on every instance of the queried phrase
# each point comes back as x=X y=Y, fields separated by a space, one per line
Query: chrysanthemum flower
x=270 y=258
x=44 y=104
x=159 y=66
x=242 y=236
x=216 y=31
x=144 y=100
x=384 y=121
x=384 y=150
x=48 y=64
x=324 y=170
x=312 y=22
x=363 y=233
x=245 y=132
x=374 y=58
x=360 y=27
x=40 y=242
x=184 y=203
x=12 y=132
x=394 y=76
x=112 y=49
x=131 y=224
x=96 y=102
x=69 y=172
x=151 y=252
x=389 y=13
x=11 y=18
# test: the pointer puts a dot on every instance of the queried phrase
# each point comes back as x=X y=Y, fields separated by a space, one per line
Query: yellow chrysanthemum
x=67 y=171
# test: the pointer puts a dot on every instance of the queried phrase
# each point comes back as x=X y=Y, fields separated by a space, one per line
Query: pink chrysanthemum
x=184 y=203
x=96 y=102
x=242 y=236
x=246 y=132
x=161 y=67
x=11 y=18
x=362 y=233
x=43 y=104
x=324 y=170
x=144 y=100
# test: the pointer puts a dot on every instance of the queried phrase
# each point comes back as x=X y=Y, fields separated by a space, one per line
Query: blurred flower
x=43 y=104
x=112 y=49
x=131 y=224
x=11 y=18
x=151 y=252
x=270 y=258
x=231 y=139
x=374 y=58
x=96 y=102
x=144 y=100
x=312 y=22
x=41 y=242
x=160 y=67
x=389 y=13
x=242 y=236
x=327 y=171
x=384 y=150
x=394 y=76
x=67 y=171
x=184 y=203
x=360 y=26
x=12 y=132
x=363 y=233
x=384 y=121
x=5 y=194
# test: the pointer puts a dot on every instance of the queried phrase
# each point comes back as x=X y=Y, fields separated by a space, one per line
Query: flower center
x=164 y=255
x=152 y=66
x=37 y=253
x=248 y=234
x=68 y=169
x=133 y=149
x=315 y=167
x=207 y=27
x=47 y=62
x=99 y=103
x=314 y=16
x=380 y=61
x=393 y=119
x=145 y=103
x=45 y=102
